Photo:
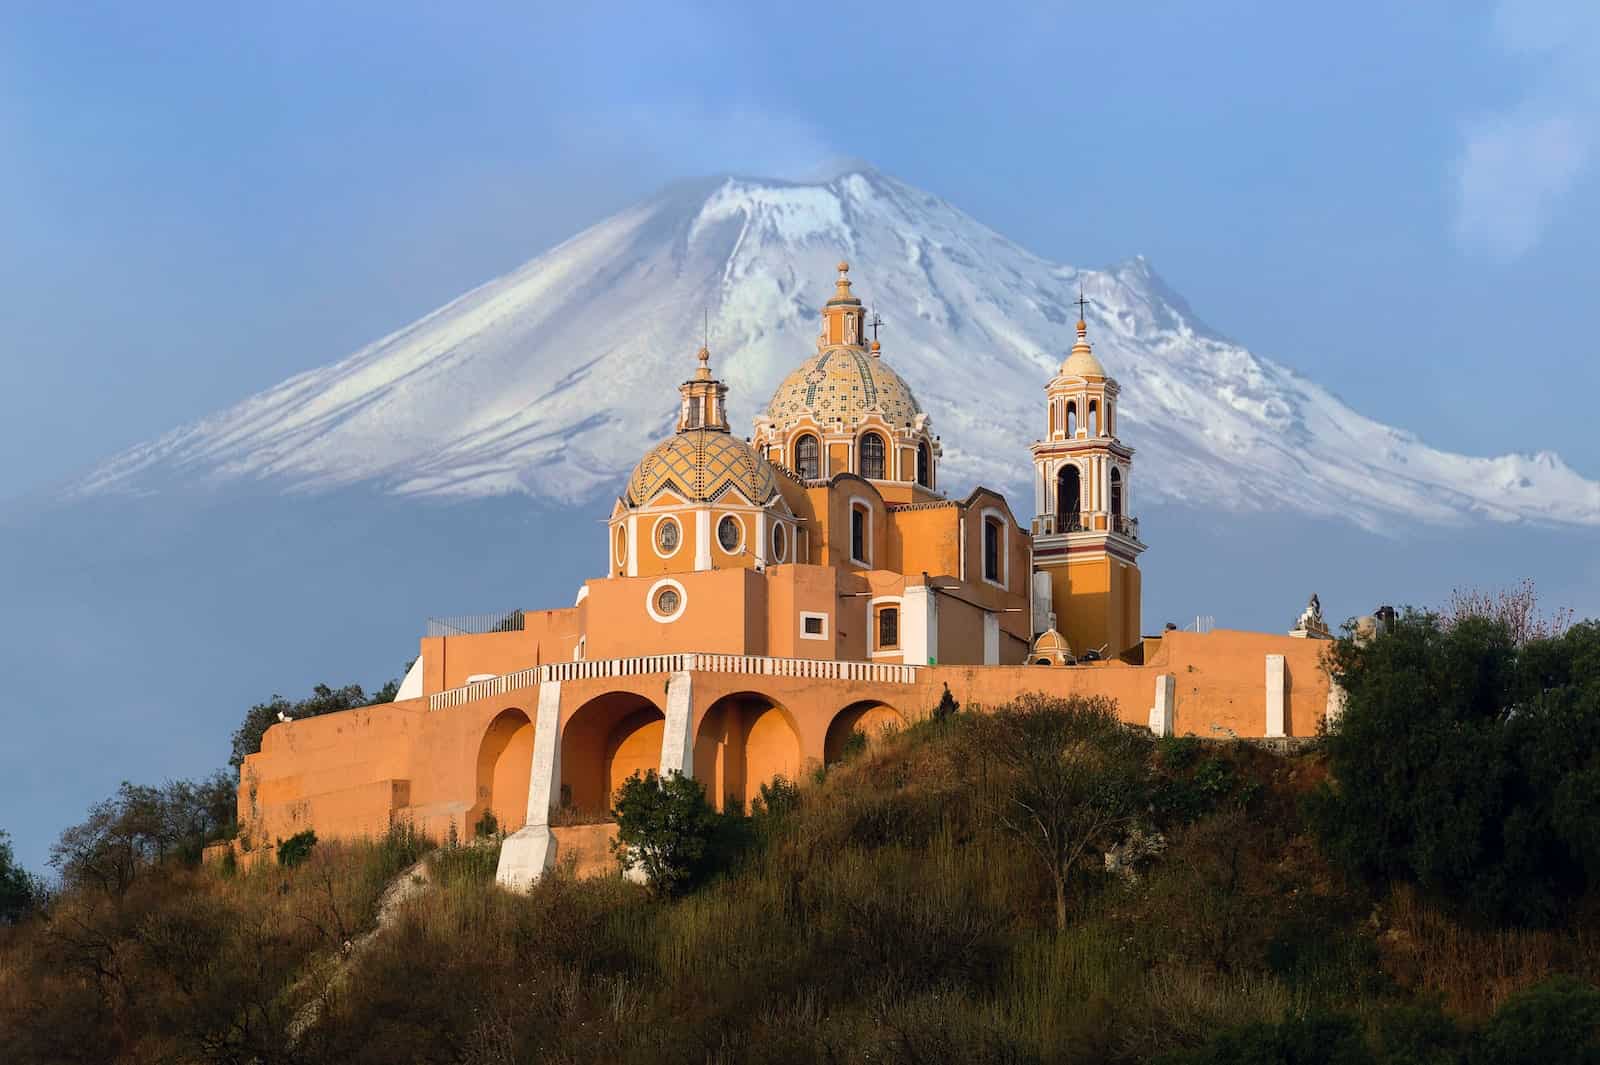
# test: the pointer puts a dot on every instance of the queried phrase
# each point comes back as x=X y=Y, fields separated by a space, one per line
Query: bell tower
x=1085 y=544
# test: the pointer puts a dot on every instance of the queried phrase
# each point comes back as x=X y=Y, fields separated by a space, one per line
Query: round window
x=779 y=542
x=729 y=533
x=667 y=536
x=667 y=602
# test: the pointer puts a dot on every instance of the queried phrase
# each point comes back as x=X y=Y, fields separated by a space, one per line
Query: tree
x=1467 y=762
x=1072 y=777
x=323 y=700
x=142 y=825
x=664 y=827
x=18 y=890
x=1516 y=608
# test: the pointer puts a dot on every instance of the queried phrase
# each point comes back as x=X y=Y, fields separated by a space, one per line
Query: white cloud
x=1516 y=166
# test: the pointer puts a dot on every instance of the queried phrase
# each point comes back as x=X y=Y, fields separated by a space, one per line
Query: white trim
x=774 y=535
x=655 y=540
x=626 y=541
x=806 y=614
x=702 y=539
x=899 y=649
x=650 y=600
x=632 y=565
x=919 y=625
x=1004 y=548
x=577 y=651
x=738 y=547
x=761 y=539
x=476 y=677
x=850 y=533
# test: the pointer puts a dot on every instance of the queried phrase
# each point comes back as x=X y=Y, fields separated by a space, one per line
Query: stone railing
x=752 y=665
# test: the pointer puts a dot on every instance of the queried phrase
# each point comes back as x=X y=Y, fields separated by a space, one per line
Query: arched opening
x=869 y=718
x=1094 y=418
x=606 y=740
x=1116 y=492
x=505 y=764
x=744 y=741
x=993 y=533
x=924 y=465
x=872 y=457
x=1069 y=498
x=1041 y=662
x=807 y=457
x=1072 y=418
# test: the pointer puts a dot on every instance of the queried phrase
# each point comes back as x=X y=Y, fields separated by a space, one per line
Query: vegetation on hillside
x=1035 y=884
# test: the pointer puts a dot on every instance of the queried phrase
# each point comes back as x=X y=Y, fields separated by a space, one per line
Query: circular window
x=730 y=530
x=622 y=544
x=667 y=536
x=780 y=541
x=667 y=602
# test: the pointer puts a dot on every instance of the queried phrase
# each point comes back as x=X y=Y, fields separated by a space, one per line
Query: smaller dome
x=1081 y=362
x=700 y=465
x=1051 y=642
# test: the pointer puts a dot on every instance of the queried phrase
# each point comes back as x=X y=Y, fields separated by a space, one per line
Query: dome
x=1081 y=361
x=700 y=464
x=843 y=384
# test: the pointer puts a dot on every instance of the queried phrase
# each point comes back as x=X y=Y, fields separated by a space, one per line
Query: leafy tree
x=142 y=825
x=296 y=849
x=1074 y=777
x=18 y=890
x=665 y=827
x=323 y=700
x=1558 y=1020
x=1468 y=763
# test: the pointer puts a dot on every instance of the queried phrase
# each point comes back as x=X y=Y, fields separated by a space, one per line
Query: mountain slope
x=553 y=379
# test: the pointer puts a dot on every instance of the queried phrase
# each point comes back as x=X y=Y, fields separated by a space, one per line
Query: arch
x=873 y=454
x=744 y=740
x=924 y=464
x=604 y=741
x=504 y=766
x=869 y=717
x=1069 y=497
x=1072 y=418
x=1094 y=418
x=807 y=457
x=1116 y=492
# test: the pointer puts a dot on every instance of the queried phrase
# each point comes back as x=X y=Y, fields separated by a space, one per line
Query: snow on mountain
x=553 y=379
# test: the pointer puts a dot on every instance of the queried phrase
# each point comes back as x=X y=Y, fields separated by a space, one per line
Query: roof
x=700 y=465
x=843 y=384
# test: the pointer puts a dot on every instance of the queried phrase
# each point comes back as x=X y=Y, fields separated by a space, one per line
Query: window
x=993 y=531
x=1072 y=418
x=622 y=544
x=780 y=541
x=924 y=465
x=667 y=534
x=1094 y=418
x=665 y=601
x=814 y=626
x=872 y=457
x=858 y=534
x=888 y=627
x=730 y=531
x=1069 y=498
x=692 y=420
x=807 y=459
x=1116 y=493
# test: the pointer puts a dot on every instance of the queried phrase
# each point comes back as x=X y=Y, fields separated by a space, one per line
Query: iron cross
x=875 y=322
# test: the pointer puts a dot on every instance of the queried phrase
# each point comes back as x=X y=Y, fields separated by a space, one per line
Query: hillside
x=553 y=379
x=887 y=915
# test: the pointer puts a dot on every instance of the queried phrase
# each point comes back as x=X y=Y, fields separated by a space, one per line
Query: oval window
x=622 y=544
x=667 y=602
x=780 y=541
x=729 y=533
x=667 y=536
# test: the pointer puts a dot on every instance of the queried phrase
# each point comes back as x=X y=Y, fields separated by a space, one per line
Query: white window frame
x=655 y=536
x=873 y=650
x=717 y=532
x=1004 y=547
x=866 y=541
x=655 y=589
x=779 y=537
x=806 y=615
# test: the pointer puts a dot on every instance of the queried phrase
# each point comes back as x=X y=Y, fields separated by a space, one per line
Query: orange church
x=766 y=598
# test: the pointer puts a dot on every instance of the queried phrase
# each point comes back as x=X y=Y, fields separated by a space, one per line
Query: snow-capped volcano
x=555 y=378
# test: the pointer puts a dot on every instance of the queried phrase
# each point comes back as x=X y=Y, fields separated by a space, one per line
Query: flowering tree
x=1517 y=608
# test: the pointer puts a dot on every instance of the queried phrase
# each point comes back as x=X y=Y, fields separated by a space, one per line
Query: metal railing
x=475 y=624
x=754 y=665
x=1125 y=525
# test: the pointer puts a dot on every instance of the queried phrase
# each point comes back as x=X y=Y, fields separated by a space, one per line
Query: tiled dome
x=843 y=384
x=699 y=465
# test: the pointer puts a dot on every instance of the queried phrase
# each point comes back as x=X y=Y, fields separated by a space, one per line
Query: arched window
x=872 y=457
x=1072 y=418
x=1069 y=498
x=807 y=458
x=1116 y=493
x=925 y=465
x=1094 y=418
x=888 y=628
x=858 y=534
x=993 y=535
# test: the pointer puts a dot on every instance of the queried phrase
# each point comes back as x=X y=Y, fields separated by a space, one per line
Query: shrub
x=488 y=826
x=1469 y=764
x=296 y=849
x=947 y=708
x=18 y=893
x=1558 y=1020
x=665 y=828
x=1316 y=1039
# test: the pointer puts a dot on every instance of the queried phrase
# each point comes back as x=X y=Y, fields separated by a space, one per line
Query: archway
x=743 y=742
x=1069 y=498
x=606 y=740
x=870 y=718
x=505 y=764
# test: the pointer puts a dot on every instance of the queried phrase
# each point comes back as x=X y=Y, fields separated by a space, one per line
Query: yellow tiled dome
x=843 y=384
x=699 y=465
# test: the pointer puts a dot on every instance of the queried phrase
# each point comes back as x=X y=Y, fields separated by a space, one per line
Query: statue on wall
x=1310 y=619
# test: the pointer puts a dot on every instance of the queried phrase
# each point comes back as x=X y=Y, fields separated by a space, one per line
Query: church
x=765 y=599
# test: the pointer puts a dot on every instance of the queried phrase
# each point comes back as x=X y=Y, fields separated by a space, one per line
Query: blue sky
x=198 y=200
